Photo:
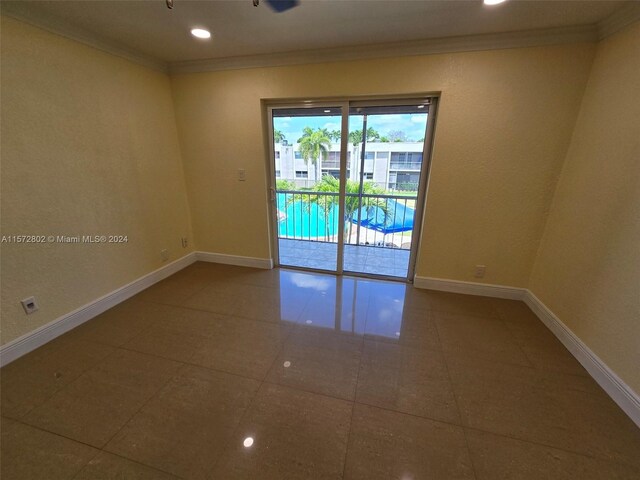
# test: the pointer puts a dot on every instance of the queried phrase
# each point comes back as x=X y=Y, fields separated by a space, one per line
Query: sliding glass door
x=382 y=191
x=348 y=185
x=307 y=158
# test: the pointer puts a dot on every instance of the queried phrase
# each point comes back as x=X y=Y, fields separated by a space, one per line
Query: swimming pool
x=305 y=220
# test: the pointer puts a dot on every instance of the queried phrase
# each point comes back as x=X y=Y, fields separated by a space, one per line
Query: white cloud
x=310 y=281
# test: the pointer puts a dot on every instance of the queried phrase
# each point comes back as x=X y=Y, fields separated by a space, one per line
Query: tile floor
x=332 y=377
x=392 y=262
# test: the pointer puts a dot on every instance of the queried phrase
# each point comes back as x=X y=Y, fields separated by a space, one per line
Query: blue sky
x=413 y=125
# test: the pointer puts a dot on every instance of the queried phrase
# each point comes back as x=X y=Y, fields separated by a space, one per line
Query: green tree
x=278 y=136
x=314 y=145
x=282 y=184
x=330 y=184
x=355 y=137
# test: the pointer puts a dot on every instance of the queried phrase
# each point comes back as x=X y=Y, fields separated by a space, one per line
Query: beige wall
x=504 y=125
x=89 y=146
x=587 y=270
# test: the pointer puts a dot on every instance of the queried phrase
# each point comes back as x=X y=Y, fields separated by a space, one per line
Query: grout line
x=98 y=449
x=455 y=398
x=191 y=364
x=236 y=429
x=145 y=403
x=128 y=460
x=42 y=429
x=226 y=315
x=61 y=387
x=353 y=407
x=477 y=429
x=602 y=458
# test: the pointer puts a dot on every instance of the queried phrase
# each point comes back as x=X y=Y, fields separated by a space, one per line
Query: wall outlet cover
x=30 y=305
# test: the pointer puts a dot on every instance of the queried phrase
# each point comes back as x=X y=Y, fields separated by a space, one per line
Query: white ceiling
x=239 y=29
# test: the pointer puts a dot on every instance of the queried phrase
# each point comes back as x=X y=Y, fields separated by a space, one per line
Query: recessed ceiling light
x=248 y=442
x=420 y=106
x=327 y=111
x=200 y=33
x=493 y=2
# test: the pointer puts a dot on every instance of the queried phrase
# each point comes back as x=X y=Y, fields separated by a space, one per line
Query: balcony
x=334 y=164
x=399 y=165
x=377 y=236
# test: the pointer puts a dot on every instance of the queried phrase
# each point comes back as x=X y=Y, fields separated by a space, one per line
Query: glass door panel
x=306 y=146
x=386 y=145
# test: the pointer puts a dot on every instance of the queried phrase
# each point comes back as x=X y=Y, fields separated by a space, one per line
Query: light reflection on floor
x=342 y=303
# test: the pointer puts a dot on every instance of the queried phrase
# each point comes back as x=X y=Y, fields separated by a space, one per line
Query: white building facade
x=391 y=166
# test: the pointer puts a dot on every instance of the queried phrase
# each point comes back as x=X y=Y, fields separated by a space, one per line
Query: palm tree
x=330 y=184
x=314 y=145
x=278 y=136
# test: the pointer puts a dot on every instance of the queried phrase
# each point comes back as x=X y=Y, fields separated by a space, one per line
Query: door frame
x=345 y=103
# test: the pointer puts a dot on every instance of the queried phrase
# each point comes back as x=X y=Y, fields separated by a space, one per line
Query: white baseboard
x=620 y=392
x=470 y=288
x=38 y=337
x=238 y=260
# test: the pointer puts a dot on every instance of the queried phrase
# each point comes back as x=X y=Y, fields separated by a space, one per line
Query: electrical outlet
x=480 y=271
x=164 y=254
x=30 y=305
x=242 y=175
x=185 y=242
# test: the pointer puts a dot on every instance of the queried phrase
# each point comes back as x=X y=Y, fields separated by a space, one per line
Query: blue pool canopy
x=399 y=218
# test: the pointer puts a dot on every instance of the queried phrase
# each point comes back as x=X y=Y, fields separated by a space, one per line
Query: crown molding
x=17 y=11
x=619 y=19
x=467 y=43
x=623 y=17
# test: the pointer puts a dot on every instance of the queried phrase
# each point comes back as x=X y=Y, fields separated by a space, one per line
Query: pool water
x=304 y=220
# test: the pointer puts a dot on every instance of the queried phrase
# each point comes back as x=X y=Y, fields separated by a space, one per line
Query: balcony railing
x=385 y=221
x=403 y=186
x=395 y=165
x=334 y=164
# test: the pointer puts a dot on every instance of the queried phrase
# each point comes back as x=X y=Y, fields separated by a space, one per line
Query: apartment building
x=392 y=166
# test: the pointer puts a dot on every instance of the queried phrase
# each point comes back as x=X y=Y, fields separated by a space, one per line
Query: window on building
x=302 y=174
x=407 y=181
x=406 y=160
x=277 y=155
x=369 y=155
x=277 y=173
x=298 y=155
x=368 y=175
